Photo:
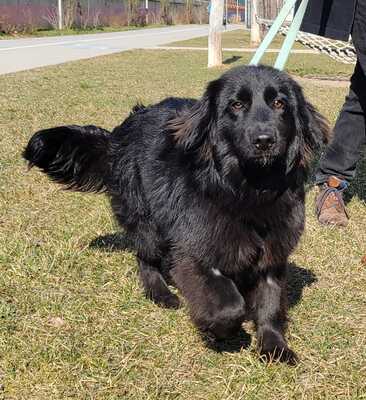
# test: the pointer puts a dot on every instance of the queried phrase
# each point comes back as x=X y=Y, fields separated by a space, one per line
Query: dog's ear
x=317 y=130
x=312 y=131
x=192 y=127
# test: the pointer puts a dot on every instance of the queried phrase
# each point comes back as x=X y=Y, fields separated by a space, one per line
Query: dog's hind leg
x=155 y=287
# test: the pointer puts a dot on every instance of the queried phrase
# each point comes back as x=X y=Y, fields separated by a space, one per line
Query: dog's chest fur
x=259 y=237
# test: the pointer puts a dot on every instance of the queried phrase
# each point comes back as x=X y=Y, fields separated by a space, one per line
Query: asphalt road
x=22 y=54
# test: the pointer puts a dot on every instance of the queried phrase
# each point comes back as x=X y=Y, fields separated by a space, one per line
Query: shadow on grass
x=112 y=242
x=298 y=279
x=233 y=345
x=358 y=185
x=232 y=60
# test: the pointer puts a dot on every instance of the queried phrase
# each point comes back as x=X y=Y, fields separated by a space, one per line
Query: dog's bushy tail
x=75 y=156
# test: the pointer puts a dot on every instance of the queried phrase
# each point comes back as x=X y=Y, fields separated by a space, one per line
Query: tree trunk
x=215 y=32
x=255 y=34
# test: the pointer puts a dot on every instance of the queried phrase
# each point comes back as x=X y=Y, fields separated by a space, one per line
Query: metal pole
x=60 y=24
x=237 y=11
x=248 y=14
x=225 y=16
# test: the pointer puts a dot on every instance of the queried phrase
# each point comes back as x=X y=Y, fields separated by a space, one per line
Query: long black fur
x=75 y=156
x=205 y=206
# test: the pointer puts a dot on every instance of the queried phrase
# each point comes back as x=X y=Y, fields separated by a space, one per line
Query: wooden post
x=215 y=32
x=255 y=35
x=60 y=24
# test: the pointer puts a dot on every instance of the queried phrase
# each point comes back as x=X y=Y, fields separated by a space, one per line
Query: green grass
x=74 y=323
x=233 y=39
x=74 y=31
x=315 y=64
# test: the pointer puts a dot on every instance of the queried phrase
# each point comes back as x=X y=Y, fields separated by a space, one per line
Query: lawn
x=74 y=323
x=314 y=64
x=233 y=39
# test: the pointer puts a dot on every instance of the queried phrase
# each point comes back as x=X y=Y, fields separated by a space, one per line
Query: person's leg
x=337 y=166
x=359 y=33
x=344 y=151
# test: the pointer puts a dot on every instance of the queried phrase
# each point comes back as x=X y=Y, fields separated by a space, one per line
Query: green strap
x=290 y=37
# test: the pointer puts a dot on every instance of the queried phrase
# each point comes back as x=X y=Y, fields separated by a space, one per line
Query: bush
x=27 y=16
x=18 y=18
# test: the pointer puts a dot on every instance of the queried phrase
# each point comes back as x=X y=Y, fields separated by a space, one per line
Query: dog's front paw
x=168 y=301
x=223 y=324
x=273 y=348
x=279 y=354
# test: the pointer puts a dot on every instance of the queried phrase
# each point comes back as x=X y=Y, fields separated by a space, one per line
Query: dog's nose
x=264 y=142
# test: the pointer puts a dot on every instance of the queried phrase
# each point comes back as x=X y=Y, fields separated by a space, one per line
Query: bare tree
x=215 y=32
x=132 y=11
x=268 y=9
x=52 y=17
x=189 y=11
x=165 y=12
x=69 y=13
x=262 y=9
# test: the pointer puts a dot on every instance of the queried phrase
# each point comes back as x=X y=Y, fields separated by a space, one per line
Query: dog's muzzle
x=264 y=142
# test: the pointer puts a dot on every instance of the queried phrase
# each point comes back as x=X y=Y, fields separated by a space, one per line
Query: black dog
x=210 y=191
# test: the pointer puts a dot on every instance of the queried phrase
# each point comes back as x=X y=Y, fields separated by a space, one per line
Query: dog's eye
x=237 y=105
x=278 y=105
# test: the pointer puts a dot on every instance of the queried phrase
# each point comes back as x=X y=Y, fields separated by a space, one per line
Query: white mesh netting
x=338 y=50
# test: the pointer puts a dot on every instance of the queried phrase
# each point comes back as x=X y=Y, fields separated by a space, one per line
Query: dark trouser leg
x=345 y=150
x=269 y=300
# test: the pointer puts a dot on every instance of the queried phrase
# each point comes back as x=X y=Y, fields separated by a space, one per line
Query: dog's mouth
x=258 y=160
x=264 y=158
x=259 y=157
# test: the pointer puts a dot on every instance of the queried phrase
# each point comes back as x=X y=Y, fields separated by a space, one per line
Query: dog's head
x=257 y=116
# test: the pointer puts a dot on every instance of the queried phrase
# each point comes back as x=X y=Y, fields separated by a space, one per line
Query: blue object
x=290 y=37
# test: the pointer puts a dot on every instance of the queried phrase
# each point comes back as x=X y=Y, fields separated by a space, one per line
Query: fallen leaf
x=56 y=322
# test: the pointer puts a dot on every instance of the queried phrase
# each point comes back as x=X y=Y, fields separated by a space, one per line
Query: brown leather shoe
x=330 y=208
